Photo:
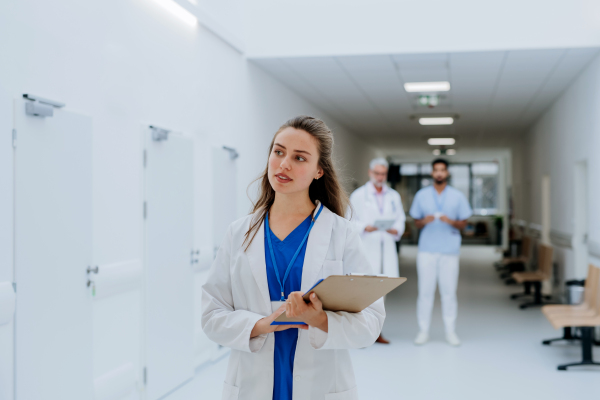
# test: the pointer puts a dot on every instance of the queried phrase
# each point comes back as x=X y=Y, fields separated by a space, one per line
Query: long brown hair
x=328 y=189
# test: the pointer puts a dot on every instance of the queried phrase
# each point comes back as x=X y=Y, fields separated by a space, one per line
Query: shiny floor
x=501 y=356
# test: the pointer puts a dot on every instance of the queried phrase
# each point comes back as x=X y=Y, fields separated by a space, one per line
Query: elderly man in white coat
x=372 y=202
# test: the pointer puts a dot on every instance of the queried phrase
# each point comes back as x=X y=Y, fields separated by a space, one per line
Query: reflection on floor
x=501 y=356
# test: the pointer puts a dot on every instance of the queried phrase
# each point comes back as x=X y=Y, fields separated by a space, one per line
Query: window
x=477 y=181
x=485 y=188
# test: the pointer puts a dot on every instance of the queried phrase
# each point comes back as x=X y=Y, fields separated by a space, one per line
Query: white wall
x=347 y=27
x=126 y=63
x=6 y=237
x=569 y=132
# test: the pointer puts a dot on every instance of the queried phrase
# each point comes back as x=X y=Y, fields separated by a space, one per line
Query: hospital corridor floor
x=501 y=356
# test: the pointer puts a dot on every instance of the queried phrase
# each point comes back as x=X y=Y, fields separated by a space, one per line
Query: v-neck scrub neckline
x=285 y=341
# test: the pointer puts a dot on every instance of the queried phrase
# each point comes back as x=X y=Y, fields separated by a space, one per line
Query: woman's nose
x=285 y=163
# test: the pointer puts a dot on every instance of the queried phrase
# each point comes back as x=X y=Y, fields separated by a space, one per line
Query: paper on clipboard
x=350 y=293
x=384 y=224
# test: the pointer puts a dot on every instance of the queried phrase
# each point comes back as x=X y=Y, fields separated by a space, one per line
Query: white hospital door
x=53 y=250
x=168 y=244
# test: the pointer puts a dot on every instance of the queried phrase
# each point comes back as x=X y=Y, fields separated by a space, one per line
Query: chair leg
x=527 y=291
x=567 y=335
x=537 y=297
x=586 y=349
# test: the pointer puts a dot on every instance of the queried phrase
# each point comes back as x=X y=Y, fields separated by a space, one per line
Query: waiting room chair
x=585 y=309
x=535 y=278
x=585 y=321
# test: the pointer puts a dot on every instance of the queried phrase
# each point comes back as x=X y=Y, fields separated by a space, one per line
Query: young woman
x=296 y=235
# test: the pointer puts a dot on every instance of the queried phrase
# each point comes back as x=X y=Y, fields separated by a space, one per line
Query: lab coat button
x=297 y=377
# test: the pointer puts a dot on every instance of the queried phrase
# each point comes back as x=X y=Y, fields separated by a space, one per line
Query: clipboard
x=384 y=224
x=351 y=293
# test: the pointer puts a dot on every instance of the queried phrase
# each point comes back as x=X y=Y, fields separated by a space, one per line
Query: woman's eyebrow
x=297 y=151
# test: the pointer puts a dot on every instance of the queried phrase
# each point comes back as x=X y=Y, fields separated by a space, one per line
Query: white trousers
x=442 y=269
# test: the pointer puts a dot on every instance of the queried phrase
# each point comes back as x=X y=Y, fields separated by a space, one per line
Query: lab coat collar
x=373 y=190
x=316 y=251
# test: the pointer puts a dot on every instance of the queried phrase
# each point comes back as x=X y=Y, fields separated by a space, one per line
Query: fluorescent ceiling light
x=427 y=86
x=441 y=141
x=436 y=121
x=451 y=152
x=180 y=12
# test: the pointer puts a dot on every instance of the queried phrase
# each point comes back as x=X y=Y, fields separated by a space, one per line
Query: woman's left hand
x=311 y=313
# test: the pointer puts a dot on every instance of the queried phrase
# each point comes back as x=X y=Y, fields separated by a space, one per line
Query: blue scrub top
x=438 y=236
x=285 y=341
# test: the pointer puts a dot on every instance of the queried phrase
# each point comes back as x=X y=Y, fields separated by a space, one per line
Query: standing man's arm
x=458 y=224
x=357 y=213
x=398 y=228
x=464 y=212
x=417 y=213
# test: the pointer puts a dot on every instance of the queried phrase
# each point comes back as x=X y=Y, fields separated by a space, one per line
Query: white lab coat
x=379 y=245
x=236 y=296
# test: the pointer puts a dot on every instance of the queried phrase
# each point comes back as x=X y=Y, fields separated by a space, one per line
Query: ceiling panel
x=492 y=92
x=567 y=70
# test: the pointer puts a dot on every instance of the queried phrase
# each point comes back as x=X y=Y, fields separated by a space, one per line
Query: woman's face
x=293 y=162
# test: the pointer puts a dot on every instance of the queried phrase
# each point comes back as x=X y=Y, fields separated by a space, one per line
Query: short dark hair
x=439 y=161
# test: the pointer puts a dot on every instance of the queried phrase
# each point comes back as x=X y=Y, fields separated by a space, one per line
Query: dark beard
x=439 y=181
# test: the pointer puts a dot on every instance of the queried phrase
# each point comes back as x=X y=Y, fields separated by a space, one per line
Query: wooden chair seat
x=511 y=260
x=569 y=312
x=560 y=321
x=535 y=276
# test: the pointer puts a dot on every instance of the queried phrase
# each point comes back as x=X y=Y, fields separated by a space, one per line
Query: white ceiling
x=492 y=92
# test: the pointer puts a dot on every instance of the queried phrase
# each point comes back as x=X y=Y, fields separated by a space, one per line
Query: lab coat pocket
x=351 y=394
x=230 y=392
x=332 y=267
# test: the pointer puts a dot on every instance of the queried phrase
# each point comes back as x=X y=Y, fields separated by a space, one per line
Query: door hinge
x=145 y=375
x=14 y=138
x=145 y=210
x=145 y=157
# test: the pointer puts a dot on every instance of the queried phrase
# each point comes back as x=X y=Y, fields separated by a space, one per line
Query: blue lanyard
x=439 y=199
x=289 y=267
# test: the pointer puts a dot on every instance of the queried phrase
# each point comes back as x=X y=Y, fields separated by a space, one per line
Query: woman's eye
x=301 y=158
x=278 y=152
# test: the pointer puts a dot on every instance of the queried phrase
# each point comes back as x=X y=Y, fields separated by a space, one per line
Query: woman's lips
x=282 y=178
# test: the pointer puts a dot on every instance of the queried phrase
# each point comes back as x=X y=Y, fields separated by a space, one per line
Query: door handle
x=90 y=269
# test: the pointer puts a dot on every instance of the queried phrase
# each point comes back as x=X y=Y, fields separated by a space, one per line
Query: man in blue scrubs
x=441 y=212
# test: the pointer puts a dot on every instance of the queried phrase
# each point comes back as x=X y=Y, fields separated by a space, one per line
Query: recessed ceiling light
x=180 y=12
x=441 y=141
x=436 y=121
x=427 y=86
x=451 y=152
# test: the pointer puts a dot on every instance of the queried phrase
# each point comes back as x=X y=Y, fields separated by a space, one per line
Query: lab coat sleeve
x=356 y=214
x=221 y=322
x=351 y=330
x=399 y=225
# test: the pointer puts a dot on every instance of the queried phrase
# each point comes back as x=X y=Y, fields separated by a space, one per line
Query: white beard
x=375 y=183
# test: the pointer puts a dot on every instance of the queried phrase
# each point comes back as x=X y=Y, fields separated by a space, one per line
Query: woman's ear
x=319 y=173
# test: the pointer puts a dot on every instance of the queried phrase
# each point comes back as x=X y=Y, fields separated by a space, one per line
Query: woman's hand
x=263 y=325
x=312 y=313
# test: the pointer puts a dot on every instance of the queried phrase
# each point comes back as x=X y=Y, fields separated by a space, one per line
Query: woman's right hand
x=263 y=325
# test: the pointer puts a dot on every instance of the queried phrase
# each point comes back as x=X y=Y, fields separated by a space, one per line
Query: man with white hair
x=377 y=211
